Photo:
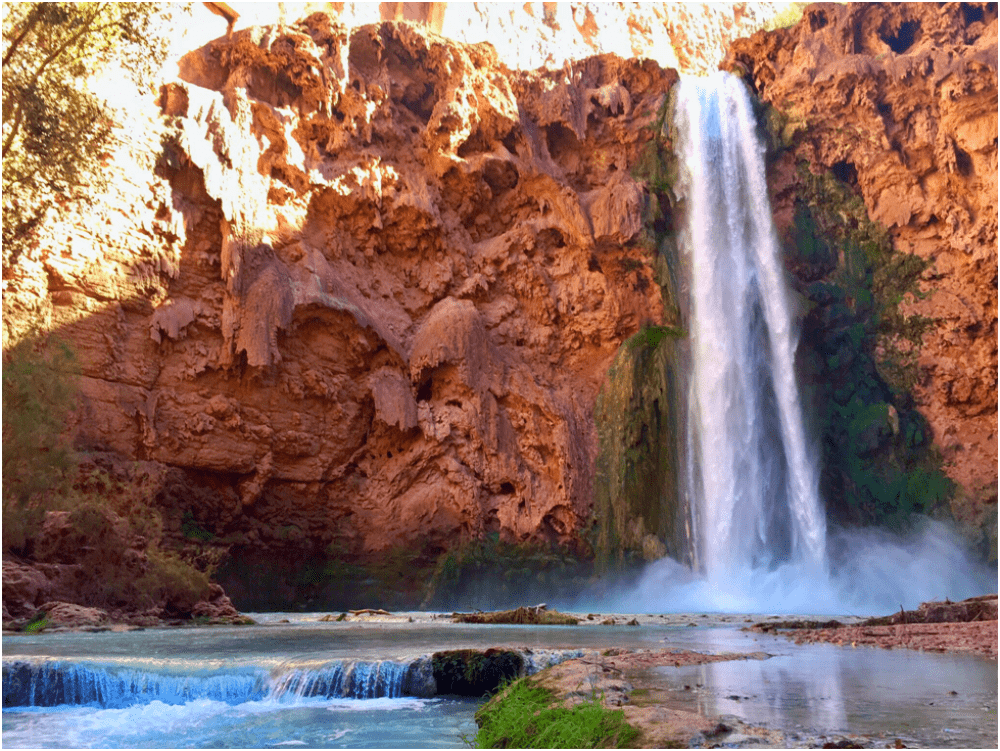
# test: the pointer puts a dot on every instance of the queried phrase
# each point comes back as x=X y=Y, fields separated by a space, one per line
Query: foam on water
x=198 y=722
x=752 y=473
x=53 y=682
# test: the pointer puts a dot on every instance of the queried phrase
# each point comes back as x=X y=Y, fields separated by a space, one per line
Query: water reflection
x=944 y=700
x=811 y=689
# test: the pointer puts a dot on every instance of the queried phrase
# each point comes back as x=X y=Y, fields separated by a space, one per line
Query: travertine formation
x=356 y=291
x=390 y=277
x=902 y=99
x=691 y=37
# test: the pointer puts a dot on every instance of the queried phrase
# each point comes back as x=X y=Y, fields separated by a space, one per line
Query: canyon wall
x=370 y=292
x=900 y=102
x=355 y=291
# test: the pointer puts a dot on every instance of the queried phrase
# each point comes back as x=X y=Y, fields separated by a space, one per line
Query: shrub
x=171 y=581
x=109 y=525
x=38 y=461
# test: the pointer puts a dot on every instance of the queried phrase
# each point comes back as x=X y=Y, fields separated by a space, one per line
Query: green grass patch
x=651 y=336
x=37 y=624
x=525 y=715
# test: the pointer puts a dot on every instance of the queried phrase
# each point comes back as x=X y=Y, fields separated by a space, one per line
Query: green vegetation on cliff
x=636 y=511
x=64 y=507
x=39 y=390
x=860 y=350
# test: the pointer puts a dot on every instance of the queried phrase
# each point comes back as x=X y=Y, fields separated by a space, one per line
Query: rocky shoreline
x=966 y=626
x=622 y=679
x=38 y=597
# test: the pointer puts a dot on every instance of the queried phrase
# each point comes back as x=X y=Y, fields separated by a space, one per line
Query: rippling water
x=811 y=689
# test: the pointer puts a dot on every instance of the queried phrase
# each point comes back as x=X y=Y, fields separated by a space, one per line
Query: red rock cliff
x=363 y=292
x=902 y=99
x=376 y=305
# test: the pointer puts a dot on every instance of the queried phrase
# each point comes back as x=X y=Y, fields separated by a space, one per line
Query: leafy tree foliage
x=56 y=131
x=38 y=393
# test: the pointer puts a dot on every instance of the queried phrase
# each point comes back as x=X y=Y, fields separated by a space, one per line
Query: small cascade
x=350 y=680
x=52 y=683
x=752 y=476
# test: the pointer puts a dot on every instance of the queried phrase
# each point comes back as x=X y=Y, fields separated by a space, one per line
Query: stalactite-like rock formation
x=400 y=274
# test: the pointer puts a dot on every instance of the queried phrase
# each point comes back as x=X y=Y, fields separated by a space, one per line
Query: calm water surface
x=924 y=699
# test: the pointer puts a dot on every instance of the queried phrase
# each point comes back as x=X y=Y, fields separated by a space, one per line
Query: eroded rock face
x=902 y=100
x=691 y=37
x=400 y=274
x=357 y=293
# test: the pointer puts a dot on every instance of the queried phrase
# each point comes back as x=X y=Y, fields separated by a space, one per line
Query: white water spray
x=752 y=473
x=752 y=476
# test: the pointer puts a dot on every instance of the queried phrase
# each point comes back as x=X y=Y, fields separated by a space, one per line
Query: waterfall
x=51 y=683
x=752 y=476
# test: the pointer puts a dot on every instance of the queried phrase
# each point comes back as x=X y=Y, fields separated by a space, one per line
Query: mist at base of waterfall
x=871 y=571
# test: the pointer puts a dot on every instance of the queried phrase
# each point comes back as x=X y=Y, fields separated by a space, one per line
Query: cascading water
x=752 y=477
x=751 y=473
x=53 y=682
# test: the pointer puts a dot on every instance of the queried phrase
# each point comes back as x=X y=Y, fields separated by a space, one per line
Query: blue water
x=344 y=685
x=205 y=723
x=121 y=683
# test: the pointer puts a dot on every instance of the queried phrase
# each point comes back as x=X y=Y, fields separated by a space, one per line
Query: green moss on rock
x=526 y=715
x=472 y=672
x=859 y=351
x=636 y=510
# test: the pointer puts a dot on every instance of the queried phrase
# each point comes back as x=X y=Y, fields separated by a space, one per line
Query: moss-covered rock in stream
x=534 y=616
x=858 y=354
x=472 y=672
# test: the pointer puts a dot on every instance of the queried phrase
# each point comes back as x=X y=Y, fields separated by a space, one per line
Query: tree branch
x=29 y=24
x=29 y=89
